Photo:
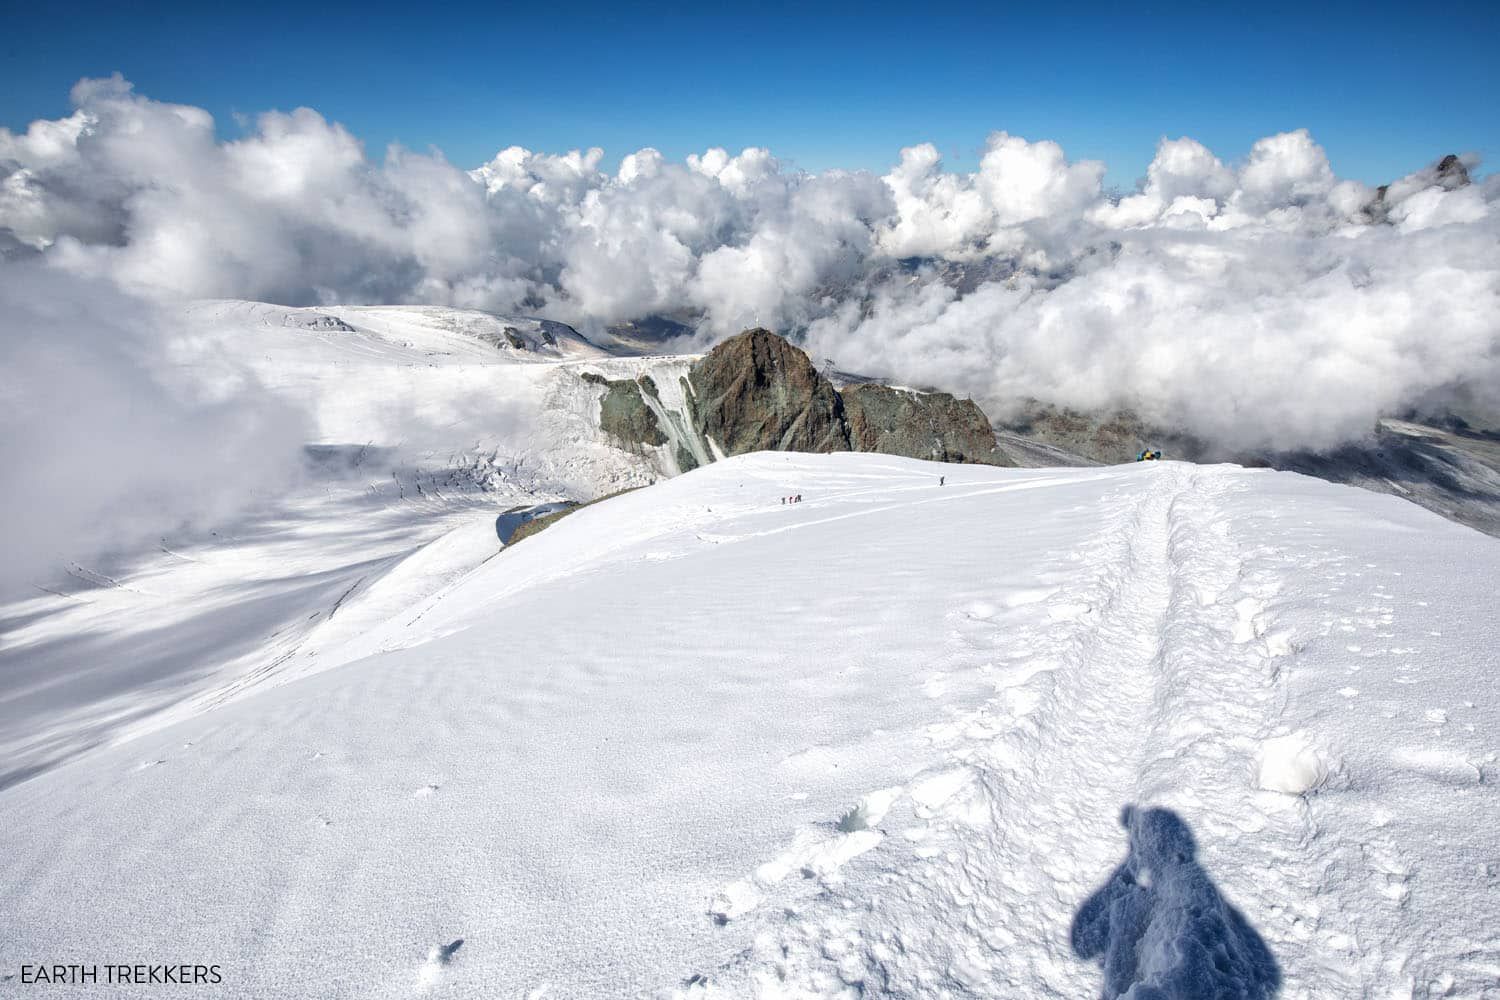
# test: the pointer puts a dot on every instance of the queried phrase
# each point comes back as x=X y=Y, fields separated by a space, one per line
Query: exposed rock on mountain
x=1067 y=437
x=316 y=321
x=1453 y=471
x=756 y=392
x=1449 y=173
x=623 y=413
x=933 y=425
x=526 y=334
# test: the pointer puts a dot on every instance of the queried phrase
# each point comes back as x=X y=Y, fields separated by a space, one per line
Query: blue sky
x=1384 y=88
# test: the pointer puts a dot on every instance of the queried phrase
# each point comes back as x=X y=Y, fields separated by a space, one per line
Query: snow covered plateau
x=1153 y=730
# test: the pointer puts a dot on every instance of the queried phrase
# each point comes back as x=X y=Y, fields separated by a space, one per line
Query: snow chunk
x=734 y=900
x=1292 y=765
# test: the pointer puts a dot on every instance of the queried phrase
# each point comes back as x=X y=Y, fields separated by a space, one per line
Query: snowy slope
x=99 y=656
x=437 y=333
x=423 y=383
x=419 y=432
x=693 y=741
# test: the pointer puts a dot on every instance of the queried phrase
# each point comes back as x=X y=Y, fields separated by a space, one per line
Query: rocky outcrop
x=933 y=426
x=1449 y=173
x=623 y=413
x=756 y=392
x=1106 y=438
x=544 y=516
x=519 y=333
x=316 y=321
x=1451 y=469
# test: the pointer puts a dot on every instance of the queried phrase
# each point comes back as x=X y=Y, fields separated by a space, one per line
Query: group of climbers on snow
x=1147 y=455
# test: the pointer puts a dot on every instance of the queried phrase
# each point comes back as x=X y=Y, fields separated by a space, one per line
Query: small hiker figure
x=942 y=480
x=799 y=498
x=783 y=501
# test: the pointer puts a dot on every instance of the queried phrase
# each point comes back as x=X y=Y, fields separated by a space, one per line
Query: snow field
x=1028 y=734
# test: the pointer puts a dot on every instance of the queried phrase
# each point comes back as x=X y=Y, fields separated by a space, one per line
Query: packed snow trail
x=690 y=741
x=1064 y=745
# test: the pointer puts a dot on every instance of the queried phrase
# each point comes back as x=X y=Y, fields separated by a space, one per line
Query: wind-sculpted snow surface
x=344 y=463
x=694 y=742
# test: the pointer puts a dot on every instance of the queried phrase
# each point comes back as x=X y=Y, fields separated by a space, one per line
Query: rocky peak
x=757 y=392
x=1449 y=173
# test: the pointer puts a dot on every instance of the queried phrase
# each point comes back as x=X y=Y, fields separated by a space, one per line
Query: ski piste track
x=1161 y=678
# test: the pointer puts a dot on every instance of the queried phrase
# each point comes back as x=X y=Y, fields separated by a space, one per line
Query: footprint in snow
x=439 y=958
x=812 y=854
x=1444 y=767
x=733 y=901
x=980 y=610
x=1249 y=625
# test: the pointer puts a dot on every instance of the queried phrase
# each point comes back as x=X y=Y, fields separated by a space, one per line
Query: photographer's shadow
x=1161 y=928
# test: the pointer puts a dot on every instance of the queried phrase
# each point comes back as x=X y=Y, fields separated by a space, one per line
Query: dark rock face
x=1449 y=173
x=756 y=392
x=1451 y=470
x=318 y=321
x=933 y=426
x=623 y=413
x=1103 y=438
x=686 y=460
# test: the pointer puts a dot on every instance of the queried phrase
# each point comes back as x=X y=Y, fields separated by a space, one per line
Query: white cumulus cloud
x=1260 y=301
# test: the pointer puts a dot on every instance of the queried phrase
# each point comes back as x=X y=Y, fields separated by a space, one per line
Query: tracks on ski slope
x=1149 y=682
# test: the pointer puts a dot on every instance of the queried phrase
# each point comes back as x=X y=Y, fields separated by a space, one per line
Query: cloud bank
x=106 y=445
x=1260 y=303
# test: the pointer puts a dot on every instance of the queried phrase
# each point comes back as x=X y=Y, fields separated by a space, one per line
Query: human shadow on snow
x=1163 y=931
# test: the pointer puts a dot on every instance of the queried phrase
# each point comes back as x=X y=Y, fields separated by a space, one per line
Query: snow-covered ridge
x=437 y=334
x=418 y=430
x=440 y=387
x=879 y=742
